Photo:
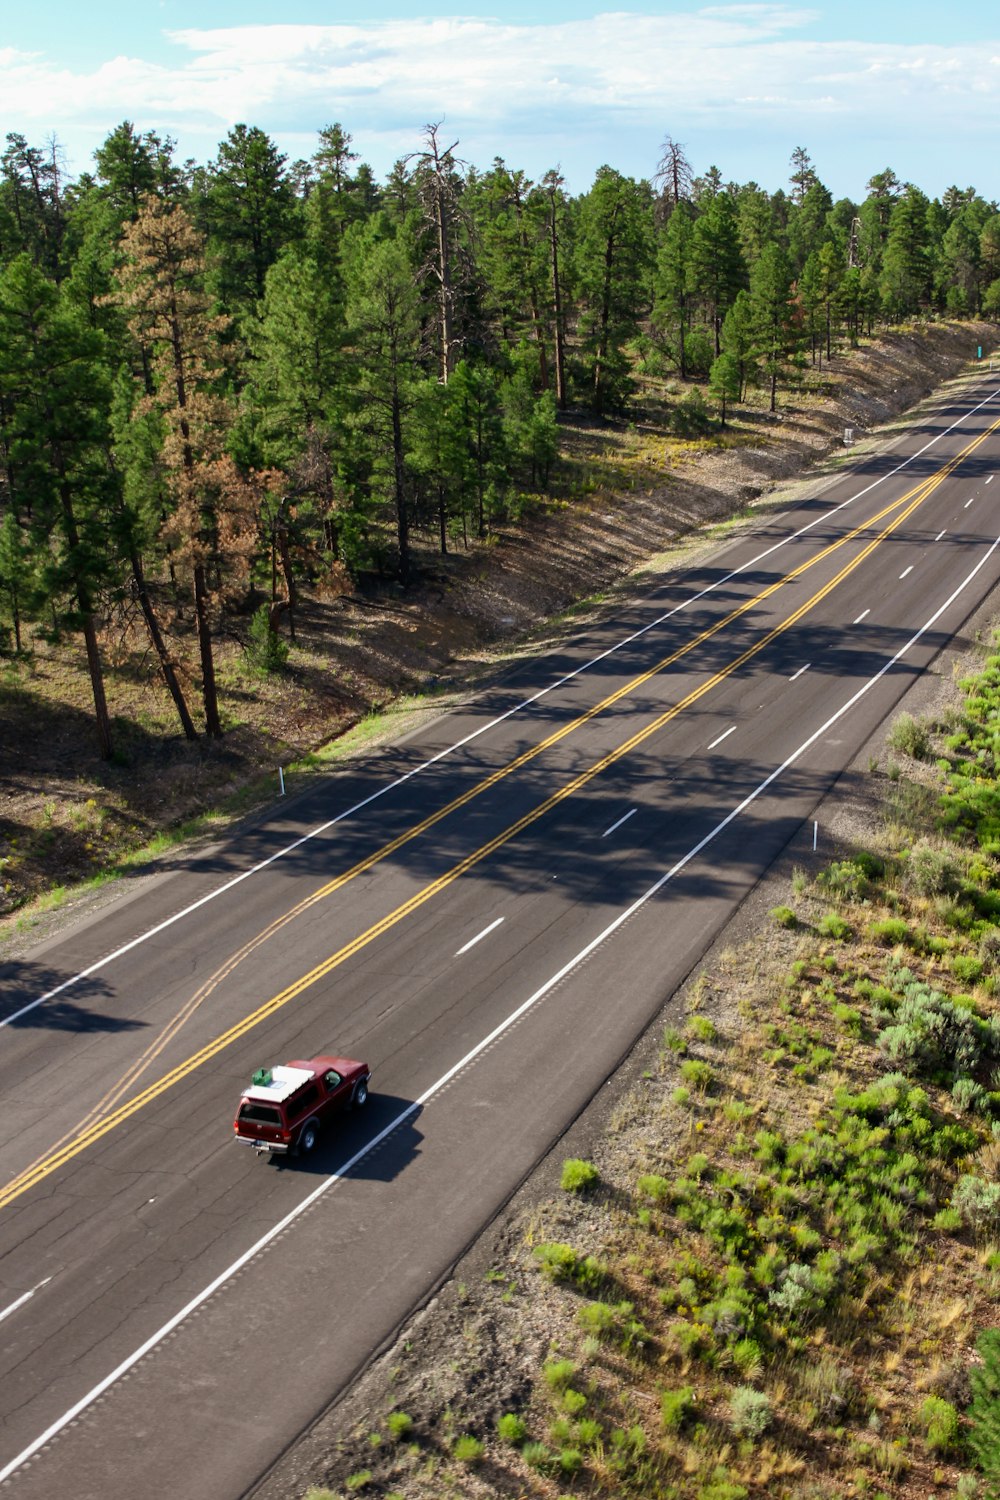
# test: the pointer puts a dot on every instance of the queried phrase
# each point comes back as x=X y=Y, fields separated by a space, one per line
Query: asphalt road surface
x=490 y=913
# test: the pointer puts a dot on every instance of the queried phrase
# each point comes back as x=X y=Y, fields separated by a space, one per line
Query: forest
x=225 y=386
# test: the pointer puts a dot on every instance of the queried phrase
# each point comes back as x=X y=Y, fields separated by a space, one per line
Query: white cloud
x=740 y=68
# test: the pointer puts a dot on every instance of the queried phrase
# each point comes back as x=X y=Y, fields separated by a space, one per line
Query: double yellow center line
x=93 y=1130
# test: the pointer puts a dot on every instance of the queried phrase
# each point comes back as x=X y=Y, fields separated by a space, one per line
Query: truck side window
x=332 y=1080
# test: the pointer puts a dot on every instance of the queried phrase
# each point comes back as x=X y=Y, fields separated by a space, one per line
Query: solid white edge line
x=24 y=1297
x=724 y=736
x=399 y=781
x=479 y=937
x=480 y=1047
x=905 y=571
x=861 y=616
x=796 y=675
x=630 y=814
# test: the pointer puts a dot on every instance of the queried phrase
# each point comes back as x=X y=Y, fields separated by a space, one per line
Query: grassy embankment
x=775 y=1282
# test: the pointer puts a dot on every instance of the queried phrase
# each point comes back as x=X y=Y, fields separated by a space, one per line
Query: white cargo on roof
x=284 y=1082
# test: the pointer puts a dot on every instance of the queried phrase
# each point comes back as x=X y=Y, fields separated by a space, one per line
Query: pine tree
x=55 y=419
x=161 y=289
x=247 y=207
x=614 y=265
x=383 y=341
x=672 y=283
x=717 y=267
x=15 y=571
x=770 y=286
x=725 y=381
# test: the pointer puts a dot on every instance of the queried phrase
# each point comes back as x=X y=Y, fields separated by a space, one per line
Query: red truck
x=286 y=1107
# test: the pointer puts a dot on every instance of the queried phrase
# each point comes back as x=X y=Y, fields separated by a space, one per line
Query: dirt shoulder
x=627 y=501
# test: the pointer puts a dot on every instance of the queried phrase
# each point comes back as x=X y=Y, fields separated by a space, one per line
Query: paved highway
x=490 y=913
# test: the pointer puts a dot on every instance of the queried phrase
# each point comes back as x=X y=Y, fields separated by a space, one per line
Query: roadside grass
x=779 y=1288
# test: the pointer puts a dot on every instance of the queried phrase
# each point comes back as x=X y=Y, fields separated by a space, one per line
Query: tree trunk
x=166 y=665
x=213 y=725
x=557 y=307
x=87 y=612
x=289 y=577
x=402 y=520
x=444 y=279
x=97 y=684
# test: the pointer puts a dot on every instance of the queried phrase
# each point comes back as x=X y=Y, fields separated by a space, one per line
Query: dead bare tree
x=673 y=176
x=441 y=208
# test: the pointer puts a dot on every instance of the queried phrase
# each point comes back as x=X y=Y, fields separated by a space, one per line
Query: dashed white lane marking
x=630 y=814
x=906 y=570
x=798 y=674
x=862 y=615
x=399 y=781
x=479 y=937
x=990 y=479
x=550 y=984
x=968 y=503
x=724 y=736
x=25 y=1297
x=940 y=535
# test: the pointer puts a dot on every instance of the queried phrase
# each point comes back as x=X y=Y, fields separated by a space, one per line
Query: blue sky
x=914 y=86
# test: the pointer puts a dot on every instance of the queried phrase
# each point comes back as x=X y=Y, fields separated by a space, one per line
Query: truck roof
x=285 y=1080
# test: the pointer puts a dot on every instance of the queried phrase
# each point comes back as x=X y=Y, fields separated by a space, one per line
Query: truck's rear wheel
x=308 y=1139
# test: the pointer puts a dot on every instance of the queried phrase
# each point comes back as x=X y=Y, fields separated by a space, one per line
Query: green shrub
x=570 y=1460
x=690 y=417
x=674 y=1040
x=702 y=1029
x=970 y=1096
x=833 y=925
x=681 y=1096
x=358 y=1481
x=559 y=1374
x=598 y=1318
x=978 y=1201
x=965 y=968
x=266 y=652
x=560 y=1262
x=984 y=1412
x=940 y=1423
x=578 y=1176
x=931 y=1031
x=908 y=736
x=676 y=1407
x=750 y=1412
x=537 y=1455
x=721 y=1487
x=655 y=1188
x=697 y=1073
x=931 y=871
x=801 y=1290
x=512 y=1428
x=557 y=1261
x=947 y=1219
x=784 y=916
x=748 y=1357
x=573 y=1401
x=468 y=1449
x=891 y=931
x=400 y=1425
